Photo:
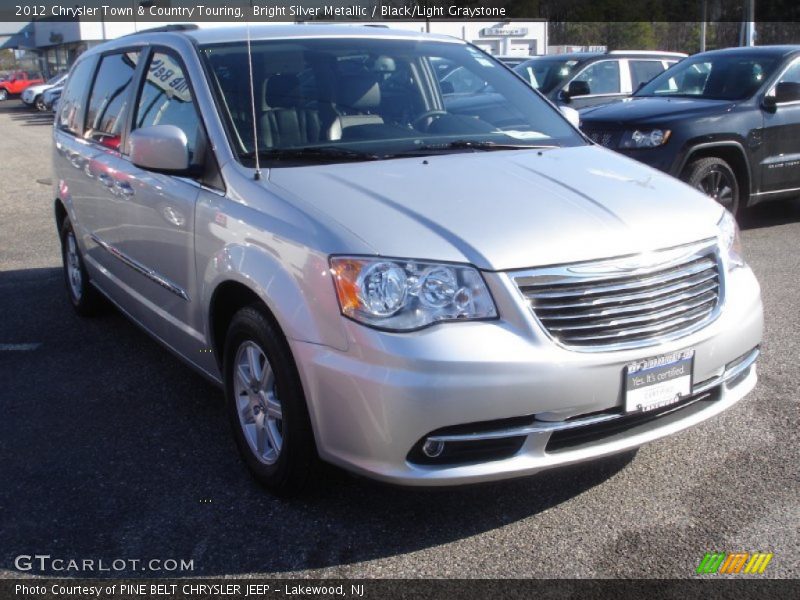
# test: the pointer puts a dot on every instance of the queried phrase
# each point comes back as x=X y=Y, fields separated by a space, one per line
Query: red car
x=17 y=82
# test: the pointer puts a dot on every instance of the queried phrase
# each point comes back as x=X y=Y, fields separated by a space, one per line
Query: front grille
x=609 y=139
x=626 y=302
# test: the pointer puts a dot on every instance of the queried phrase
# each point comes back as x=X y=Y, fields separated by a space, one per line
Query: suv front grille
x=626 y=302
x=609 y=139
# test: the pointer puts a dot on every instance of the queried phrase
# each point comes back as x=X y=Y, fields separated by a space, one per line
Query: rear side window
x=643 y=71
x=602 y=77
x=166 y=99
x=110 y=94
x=71 y=104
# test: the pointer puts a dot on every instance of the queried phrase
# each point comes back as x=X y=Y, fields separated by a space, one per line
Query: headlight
x=645 y=138
x=405 y=294
x=729 y=244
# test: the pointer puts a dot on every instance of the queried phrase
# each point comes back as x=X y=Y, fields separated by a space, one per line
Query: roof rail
x=175 y=27
x=647 y=52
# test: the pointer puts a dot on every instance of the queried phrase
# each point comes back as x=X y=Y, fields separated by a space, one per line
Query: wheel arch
x=734 y=154
x=60 y=212
x=229 y=297
x=240 y=276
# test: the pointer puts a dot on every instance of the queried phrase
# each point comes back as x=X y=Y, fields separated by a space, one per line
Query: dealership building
x=54 y=45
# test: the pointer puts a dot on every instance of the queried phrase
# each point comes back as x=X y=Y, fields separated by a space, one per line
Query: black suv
x=581 y=79
x=727 y=122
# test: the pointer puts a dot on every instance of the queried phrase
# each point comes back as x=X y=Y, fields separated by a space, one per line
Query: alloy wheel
x=717 y=184
x=74 y=267
x=257 y=402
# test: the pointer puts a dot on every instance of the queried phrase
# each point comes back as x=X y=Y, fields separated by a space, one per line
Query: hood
x=505 y=209
x=637 y=109
x=37 y=89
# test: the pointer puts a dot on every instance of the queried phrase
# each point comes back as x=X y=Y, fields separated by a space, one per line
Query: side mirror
x=572 y=115
x=160 y=148
x=578 y=88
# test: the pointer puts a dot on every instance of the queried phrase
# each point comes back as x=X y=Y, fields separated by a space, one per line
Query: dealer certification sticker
x=659 y=381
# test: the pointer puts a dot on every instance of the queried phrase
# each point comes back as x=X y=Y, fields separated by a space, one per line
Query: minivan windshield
x=715 y=77
x=545 y=74
x=371 y=98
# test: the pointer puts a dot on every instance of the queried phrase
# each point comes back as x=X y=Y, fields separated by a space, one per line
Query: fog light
x=432 y=448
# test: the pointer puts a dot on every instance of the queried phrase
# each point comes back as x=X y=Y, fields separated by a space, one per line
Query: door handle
x=124 y=188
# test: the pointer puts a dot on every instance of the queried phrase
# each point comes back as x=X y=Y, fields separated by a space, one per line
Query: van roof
x=221 y=35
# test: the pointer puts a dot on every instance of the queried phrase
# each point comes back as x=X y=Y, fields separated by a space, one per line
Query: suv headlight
x=644 y=138
x=406 y=294
x=729 y=243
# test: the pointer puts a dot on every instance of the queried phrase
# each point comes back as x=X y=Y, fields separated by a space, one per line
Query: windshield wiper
x=314 y=153
x=475 y=145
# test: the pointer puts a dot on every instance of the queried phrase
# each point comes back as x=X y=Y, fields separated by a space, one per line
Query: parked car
x=51 y=96
x=582 y=79
x=423 y=296
x=34 y=95
x=726 y=122
x=17 y=83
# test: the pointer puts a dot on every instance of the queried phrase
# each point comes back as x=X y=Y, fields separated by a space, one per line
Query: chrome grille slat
x=629 y=299
x=698 y=269
x=706 y=289
x=639 y=318
x=615 y=333
x=647 y=294
x=626 y=302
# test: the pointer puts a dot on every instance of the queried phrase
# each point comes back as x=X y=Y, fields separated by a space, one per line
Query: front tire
x=83 y=296
x=715 y=178
x=39 y=103
x=266 y=404
x=3 y=95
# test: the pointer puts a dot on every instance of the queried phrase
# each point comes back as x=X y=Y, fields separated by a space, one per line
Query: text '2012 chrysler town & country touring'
x=422 y=291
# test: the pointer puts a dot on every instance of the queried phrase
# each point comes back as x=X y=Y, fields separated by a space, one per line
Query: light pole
x=703 y=25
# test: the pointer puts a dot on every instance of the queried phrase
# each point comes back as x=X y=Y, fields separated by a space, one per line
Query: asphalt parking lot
x=111 y=448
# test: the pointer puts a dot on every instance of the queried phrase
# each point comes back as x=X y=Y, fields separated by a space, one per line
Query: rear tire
x=715 y=178
x=266 y=404
x=83 y=296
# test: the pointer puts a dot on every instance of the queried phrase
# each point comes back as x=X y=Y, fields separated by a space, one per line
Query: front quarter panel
x=260 y=240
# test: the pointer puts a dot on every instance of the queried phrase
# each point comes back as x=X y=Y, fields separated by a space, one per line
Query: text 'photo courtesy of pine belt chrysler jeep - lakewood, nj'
x=421 y=291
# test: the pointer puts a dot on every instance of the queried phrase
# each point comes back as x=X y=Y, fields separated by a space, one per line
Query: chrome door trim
x=139 y=267
x=783 y=191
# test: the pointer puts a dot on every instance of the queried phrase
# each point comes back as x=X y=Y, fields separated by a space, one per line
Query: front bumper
x=373 y=404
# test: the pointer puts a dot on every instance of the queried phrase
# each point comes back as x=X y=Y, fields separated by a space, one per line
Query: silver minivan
x=421 y=288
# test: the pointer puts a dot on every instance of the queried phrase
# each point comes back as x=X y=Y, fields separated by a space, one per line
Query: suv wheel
x=714 y=177
x=39 y=103
x=266 y=405
x=83 y=296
